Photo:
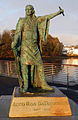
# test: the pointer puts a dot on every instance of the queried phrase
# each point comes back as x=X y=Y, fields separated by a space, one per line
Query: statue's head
x=29 y=10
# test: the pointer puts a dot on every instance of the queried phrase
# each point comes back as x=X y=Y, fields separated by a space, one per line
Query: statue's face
x=29 y=10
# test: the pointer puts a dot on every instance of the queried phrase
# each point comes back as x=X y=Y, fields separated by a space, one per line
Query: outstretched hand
x=61 y=11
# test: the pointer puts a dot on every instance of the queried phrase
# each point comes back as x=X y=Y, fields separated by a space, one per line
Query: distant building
x=64 y=51
x=70 y=50
x=75 y=52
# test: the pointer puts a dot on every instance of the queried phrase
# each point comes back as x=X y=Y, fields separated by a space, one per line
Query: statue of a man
x=30 y=31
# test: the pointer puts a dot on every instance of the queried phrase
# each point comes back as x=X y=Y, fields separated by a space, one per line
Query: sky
x=63 y=27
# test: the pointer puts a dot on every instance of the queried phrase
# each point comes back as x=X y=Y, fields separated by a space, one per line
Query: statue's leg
x=41 y=77
x=25 y=77
x=32 y=75
x=18 y=69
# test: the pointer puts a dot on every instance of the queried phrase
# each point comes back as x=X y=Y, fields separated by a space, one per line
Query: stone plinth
x=43 y=104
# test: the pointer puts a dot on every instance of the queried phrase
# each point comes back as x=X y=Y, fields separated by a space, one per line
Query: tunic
x=28 y=37
x=30 y=53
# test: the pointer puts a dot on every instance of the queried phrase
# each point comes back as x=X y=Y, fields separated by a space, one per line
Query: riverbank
x=10 y=59
x=57 y=59
x=47 y=58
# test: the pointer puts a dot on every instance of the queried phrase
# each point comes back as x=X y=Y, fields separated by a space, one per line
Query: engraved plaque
x=39 y=106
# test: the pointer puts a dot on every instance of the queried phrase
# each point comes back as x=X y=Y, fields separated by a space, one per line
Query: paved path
x=6 y=89
x=5 y=105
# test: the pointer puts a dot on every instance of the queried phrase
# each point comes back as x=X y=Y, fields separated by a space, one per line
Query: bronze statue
x=30 y=32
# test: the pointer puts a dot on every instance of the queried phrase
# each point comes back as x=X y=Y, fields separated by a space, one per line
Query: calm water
x=72 y=61
x=60 y=70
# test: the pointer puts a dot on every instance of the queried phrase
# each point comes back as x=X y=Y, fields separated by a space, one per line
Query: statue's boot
x=24 y=89
x=45 y=86
x=41 y=77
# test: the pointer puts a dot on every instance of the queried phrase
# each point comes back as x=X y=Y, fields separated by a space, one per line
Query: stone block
x=39 y=105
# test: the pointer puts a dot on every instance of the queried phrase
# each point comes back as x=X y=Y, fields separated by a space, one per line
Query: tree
x=6 y=40
x=53 y=47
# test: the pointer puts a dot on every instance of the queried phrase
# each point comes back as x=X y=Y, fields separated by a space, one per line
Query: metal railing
x=55 y=73
x=61 y=73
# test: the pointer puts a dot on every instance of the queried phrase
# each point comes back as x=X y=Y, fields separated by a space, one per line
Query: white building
x=75 y=52
x=70 y=51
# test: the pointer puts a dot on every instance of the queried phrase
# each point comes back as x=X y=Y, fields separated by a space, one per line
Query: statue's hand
x=61 y=11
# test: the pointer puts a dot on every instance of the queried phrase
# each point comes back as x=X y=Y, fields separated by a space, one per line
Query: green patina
x=27 y=47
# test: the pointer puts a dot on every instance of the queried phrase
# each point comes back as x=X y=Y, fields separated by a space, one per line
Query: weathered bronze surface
x=30 y=32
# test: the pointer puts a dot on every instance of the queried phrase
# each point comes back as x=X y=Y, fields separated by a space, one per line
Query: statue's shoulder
x=41 y=18
x=21 y=20
x=20 y=24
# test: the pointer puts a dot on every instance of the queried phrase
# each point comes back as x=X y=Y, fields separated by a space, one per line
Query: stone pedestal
x=39 y=104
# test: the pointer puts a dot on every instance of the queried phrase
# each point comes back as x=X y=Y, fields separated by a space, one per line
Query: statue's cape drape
x=16 y=46
x=43 y=26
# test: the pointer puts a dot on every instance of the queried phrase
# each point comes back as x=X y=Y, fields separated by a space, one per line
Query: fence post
x=67 y=77
x=8 y=70
x=10 y=66
x=52 y=74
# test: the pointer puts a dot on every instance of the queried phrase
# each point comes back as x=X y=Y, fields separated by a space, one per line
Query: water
x=72 y=61
x=73 y=68
x=62 y=70
x=7 y=68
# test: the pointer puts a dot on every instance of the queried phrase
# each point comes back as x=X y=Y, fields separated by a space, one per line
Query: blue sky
x=65 y=28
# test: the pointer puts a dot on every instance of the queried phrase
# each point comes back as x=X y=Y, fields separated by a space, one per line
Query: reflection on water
x=73 y=69
x=7 y=68
x=57 y=71
x=67 y=72
x=70 y=61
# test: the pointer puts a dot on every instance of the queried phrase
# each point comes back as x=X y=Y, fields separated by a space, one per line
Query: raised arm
x=61 y=11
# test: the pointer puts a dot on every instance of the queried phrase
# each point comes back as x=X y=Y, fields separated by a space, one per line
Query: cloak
x=43 y=27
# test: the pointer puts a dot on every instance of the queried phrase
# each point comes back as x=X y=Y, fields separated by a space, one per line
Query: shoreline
x=46 y=57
